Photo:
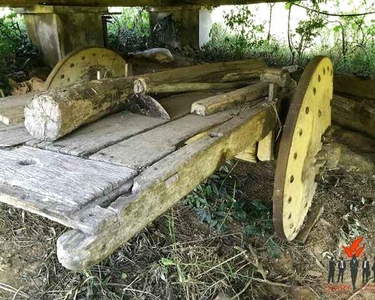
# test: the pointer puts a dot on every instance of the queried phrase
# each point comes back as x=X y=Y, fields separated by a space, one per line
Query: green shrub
x=16 y=50
x=130 y=31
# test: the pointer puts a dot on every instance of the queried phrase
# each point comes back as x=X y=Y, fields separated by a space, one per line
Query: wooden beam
x=266 y=147
x=23 y=3
x=355 y=113
x=354 y=85
x=141 y=86
x=224 y=101
x=162 y=185
x=249 y=154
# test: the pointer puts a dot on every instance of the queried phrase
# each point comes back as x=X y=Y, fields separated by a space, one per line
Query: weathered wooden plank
x=12 y=108
x=56 y=185
x=355 y=113
x=249 y=154
x=354 y=85
x=274 y=75
x=265 y=151
x=213 y=72
x=145 y=149
x=4 y=127
x=13 y=135
x=220 y=102
x=162 y=185
x=12 y=115
x=101 y=134
x=14 y=101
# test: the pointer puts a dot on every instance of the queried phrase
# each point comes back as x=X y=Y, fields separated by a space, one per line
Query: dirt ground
x=180 y=257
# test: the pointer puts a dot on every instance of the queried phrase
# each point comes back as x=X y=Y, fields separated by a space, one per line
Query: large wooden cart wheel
x=308 y=118
x=84 y=64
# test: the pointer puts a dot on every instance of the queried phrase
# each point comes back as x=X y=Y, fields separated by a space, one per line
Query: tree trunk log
x=354 y=113
x=354 y=85
x=55 y=113
x=146 y=86
x=216 y=72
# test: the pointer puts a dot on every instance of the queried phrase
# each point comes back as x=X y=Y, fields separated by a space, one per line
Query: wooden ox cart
x=135 y=158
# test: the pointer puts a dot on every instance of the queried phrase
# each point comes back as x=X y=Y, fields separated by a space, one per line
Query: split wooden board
x=57 y=186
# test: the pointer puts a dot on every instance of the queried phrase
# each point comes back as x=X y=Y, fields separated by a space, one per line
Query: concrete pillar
x=58 y=30
x=181 y=26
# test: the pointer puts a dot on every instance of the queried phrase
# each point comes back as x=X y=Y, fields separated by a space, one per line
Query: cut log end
x=43 y=118
x=198 y=109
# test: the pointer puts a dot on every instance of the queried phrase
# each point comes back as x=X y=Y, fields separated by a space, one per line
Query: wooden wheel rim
x=83 y=64
x=308 y=118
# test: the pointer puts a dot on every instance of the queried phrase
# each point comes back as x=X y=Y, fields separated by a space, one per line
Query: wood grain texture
x=144 y=85
x=112 y=129
x=145 y=149
x=101 y=134
x=162 y=185
x=214 y=72
x=56 y=185
x=83 y=65
x=12 y=108
x=355 y=113
x=266 y=147
x=55 y=113
x=13 y=135
x=224 y=101
x=274 y=75
x=178 y=106
x=354 y=85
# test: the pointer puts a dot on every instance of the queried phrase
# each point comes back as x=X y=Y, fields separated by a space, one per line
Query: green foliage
x=130 y=31
x=237 y=43
x=218 y=202
x=16 y=50
x=307 y=31
x=354 y=49
x=351 y=47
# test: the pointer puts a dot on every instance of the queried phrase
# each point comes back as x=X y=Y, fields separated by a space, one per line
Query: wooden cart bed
x=109 y=179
